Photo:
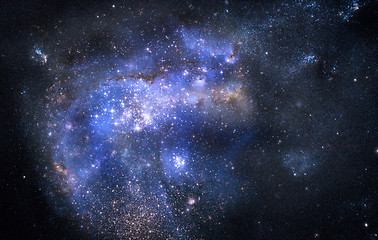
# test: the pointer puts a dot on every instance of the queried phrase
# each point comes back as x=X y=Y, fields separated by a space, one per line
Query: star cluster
x=144 y=146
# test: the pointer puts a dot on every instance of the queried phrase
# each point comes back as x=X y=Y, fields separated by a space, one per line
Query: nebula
x=201 y=120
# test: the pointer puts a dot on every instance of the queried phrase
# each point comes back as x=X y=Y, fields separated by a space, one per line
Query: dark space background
x=341 y=202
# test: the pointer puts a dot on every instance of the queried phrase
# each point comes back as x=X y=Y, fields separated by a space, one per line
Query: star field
x=199 y=120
